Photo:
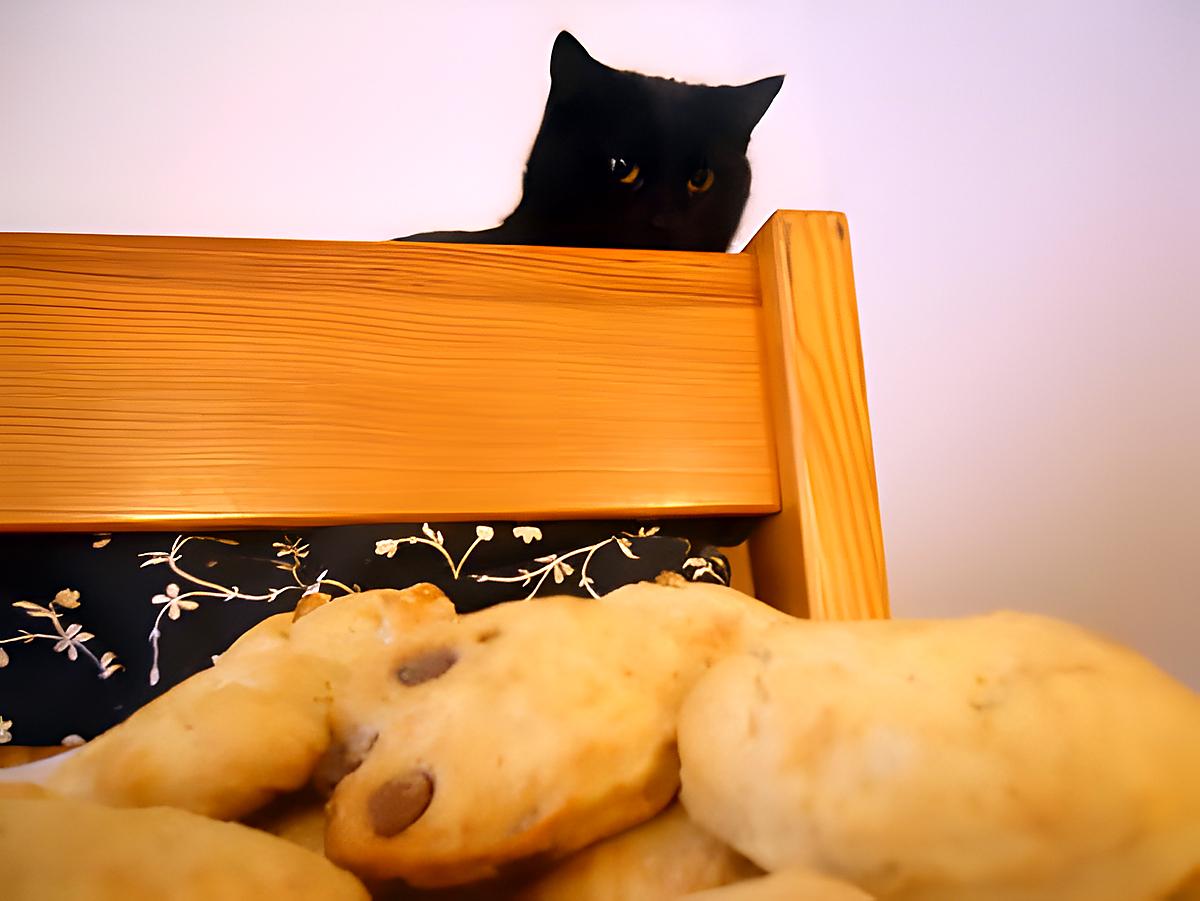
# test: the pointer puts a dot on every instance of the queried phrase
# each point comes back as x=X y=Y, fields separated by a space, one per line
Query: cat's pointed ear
x=752 y=100
x=569 y=61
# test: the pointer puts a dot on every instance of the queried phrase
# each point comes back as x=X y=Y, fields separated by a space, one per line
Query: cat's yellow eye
x=625 y=172
x=701 y=181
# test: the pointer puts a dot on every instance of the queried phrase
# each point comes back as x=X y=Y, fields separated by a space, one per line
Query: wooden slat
x=822 y=555
x=162 y=382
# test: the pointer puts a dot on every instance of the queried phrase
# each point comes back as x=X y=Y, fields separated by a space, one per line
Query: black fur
x=598 y=125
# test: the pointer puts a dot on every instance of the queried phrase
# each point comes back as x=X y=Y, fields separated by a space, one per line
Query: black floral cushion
x=94 y=626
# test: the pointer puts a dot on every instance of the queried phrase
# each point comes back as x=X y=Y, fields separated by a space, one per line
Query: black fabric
x=68 y=602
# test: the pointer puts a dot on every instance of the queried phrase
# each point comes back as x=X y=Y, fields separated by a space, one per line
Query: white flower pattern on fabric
x=387 y=547
x=69 y=639
x=556 y=566
x=175 y=602
x=703 y=566
x=68 y=599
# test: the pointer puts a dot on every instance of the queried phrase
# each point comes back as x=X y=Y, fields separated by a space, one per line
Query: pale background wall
x=1021 y=181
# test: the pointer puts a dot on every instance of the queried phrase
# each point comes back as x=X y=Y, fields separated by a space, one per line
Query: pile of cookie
x=668 y=740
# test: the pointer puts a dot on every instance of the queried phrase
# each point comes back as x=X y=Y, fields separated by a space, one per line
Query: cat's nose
x=660 y=221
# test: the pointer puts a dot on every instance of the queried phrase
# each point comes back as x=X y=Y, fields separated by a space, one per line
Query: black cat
x=629 y=160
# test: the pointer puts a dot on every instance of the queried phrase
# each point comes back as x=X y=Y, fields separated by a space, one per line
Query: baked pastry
x=23 y=790
x=1004 y=757
x=1187 y=890
x=665 y=857
x=712 y=621
x=793 y=884
x=230 y=738
x=298 y=818
x=529 y=729
x=62 y=849
x=221 y=744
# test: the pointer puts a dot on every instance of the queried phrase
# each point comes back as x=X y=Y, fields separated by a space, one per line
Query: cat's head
x=630 y=160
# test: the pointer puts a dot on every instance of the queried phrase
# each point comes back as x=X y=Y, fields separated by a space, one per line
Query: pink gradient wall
x=1021 y=181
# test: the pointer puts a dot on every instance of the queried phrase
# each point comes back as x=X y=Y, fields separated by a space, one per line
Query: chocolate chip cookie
x=232 y=737
x=51 y=849
x=526 y=730
x=1005 y=756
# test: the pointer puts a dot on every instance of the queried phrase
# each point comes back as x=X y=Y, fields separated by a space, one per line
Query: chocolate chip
x=426 y=665
x=399 y=803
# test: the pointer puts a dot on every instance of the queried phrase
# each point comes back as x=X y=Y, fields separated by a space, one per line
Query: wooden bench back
x=162 y=383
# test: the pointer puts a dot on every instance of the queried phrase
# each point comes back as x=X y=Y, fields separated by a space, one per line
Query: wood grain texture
x=822 y=555
x=163 y=382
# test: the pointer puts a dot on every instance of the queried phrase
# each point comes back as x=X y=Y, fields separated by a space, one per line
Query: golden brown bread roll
x=662 y=858
x=530 y=729
x=230 y=738
x=785 y=885
x=1007 y=757
x=65 y=850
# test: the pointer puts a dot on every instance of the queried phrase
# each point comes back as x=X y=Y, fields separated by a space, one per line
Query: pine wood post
x=822 y=555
